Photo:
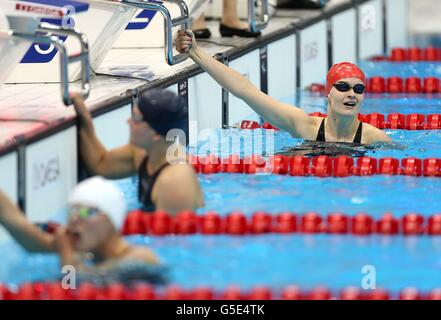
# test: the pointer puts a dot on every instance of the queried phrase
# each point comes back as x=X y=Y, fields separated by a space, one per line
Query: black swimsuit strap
x=321 y=132
x=146 y=183
x=322 y=137
x=359 y=133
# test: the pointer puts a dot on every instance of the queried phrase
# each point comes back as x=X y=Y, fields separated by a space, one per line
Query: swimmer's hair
x=102 y=194
x=163 y=110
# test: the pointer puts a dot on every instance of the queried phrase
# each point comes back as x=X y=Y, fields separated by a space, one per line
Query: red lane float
x=414 y=121
x=298 y=166
x=320 y=166
x=362 y=224
x=201 y=293
x=285 y=222
x=141 y=291
x=210 y=223
x=392 y=85
x=431 y=85
x=291 y=293
x=351 y=293
x=410 y=294
x=312 y=222
x=413 y=85
x=237 y=224
x=412 y=54
x=387 y=225
x=395 y=85
x=366 y=166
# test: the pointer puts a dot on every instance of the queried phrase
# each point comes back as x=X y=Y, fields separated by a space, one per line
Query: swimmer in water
x=96 y=214
x=345 y=95
x=163 y=185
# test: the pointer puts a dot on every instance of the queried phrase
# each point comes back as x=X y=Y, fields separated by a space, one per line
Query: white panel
x=112 y=128
x=282 y=65
x=313 y=54
x=51 y=173
x=370 y=29
x=8 y=183
x=397 y=19
x=344 y=36
x=249 y=66
x=173 y=88
x=8 y=175
x=204 y=104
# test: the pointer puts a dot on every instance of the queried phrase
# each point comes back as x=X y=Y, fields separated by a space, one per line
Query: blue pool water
x=375 y=195
x=271 y=260
x=279 y=260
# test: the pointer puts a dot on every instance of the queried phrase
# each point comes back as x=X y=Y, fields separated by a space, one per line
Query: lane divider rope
x=431 y=86
x=414 y=121
x=318 y=166
x=413 y=54
x=237 y=223
x=141 y=291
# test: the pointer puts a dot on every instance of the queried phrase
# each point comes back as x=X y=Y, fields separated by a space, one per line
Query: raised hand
x=185 y=41
x=84 y=116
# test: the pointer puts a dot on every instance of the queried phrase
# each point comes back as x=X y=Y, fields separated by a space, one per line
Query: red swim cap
x=343 y=70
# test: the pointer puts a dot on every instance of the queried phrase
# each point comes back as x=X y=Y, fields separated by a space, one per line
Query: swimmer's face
x=141 y=134
x=89 y=228
x=348 y=102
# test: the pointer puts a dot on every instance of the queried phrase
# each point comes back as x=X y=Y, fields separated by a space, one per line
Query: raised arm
x=25 y=233
x=292 y=119
x=114 y=164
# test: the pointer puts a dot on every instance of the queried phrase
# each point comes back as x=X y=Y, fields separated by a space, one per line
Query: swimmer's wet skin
x=334 y=149
x=345 y=89
x=94 y=225
x=165 y=184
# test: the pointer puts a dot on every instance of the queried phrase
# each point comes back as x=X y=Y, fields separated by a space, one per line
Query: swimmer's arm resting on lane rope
x=117 y=163
x=29 y=236
x=287 y=117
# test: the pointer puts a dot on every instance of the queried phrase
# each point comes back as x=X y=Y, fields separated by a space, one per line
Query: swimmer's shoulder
x=138 y=155
x=182 y=186
x=173 y=173
x=316 y=122
x=141 y=254
x=309 y=130
x=372 y=134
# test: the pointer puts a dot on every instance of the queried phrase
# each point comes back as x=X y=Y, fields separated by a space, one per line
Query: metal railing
x=65 y=60
x=82 y=56
x=258 y=22
x=169 y=23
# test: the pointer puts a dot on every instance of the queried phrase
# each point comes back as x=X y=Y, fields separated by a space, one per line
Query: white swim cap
x=101 y=194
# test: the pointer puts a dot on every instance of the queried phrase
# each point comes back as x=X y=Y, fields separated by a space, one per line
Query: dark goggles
x=343 y=87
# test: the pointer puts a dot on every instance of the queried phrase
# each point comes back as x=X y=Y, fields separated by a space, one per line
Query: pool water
x=278 y=260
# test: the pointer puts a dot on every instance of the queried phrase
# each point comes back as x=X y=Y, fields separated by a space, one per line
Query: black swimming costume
x=321 y=133
x=331 y=149
x=126 y=272
x=146 y=183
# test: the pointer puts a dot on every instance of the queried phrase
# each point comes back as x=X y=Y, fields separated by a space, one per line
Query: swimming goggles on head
x=344 y=87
